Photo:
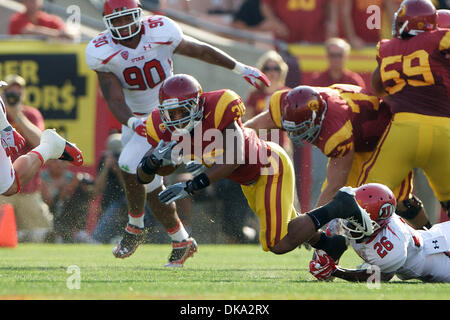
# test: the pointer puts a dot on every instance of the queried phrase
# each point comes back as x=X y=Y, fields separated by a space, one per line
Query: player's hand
x=195 y=168
x=175 y=192
x=251 y=75
x=12 y=141
x=322 y=266
x=138 y=125
x=164 y=155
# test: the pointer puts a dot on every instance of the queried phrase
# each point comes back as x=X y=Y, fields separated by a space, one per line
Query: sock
x=136 y=220
x=343 y=205
x=320 y=216
x=334 y=246
x=45 y=151
x=178 y=233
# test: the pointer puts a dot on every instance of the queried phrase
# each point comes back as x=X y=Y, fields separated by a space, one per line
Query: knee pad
x=413 y=206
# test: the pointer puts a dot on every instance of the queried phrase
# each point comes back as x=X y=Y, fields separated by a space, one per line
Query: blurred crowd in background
x=64 y=206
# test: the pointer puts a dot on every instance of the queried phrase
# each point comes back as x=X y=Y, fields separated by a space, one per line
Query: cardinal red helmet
x=413 y=17
x=443 y=19
x=114 y=9
x=179 y=98
x=303 y=111
x=378 y=201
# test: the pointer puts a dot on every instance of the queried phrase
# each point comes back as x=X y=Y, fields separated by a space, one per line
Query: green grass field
x=217 y=272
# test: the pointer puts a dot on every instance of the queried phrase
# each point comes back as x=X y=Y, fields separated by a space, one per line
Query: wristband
x=200 y=182
x=239 y=68
x=147 y=166
x=130 y=122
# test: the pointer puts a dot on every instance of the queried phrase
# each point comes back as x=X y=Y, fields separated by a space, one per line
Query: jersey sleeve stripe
x=225 y=100
x=340 y=136
x=445 y=42
x=151 y=131
x=275 y=107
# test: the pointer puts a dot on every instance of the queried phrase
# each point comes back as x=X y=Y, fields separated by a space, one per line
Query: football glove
x=164 y=155
x=251 y=75
x=137 y=125
x=12 y=141
x=195 y=168
x=322 y=266
x=175 y=192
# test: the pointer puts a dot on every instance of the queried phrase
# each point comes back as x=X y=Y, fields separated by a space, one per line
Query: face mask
x=12 y=98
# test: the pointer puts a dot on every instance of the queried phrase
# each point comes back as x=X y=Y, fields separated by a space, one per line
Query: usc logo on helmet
x=313 y=105
x=402 y=11
x=162 y=127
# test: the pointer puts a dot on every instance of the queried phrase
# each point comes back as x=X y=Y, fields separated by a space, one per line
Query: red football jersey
x=416 y=74
x=354 y=119
x=220 y=109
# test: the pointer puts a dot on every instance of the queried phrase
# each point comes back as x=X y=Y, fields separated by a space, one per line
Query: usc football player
x=413 y=76
x=262 y=168
x=345 y=122
x=132 y=57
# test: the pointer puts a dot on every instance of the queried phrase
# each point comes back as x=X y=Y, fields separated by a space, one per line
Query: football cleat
x=181 y=251
x=131 y=240
x=72 y=154
x=354 y=213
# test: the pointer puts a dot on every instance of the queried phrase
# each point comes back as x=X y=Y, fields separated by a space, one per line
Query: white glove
x=137 y=125
x=251 y=74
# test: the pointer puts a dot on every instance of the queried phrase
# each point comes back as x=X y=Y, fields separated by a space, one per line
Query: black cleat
x=352 y=211
x=132 y=238
x=181 y=251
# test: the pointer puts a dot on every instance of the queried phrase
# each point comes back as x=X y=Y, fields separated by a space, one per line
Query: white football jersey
x=7 y=173
x=388 y=249
x=408 y=252
x=142 y=70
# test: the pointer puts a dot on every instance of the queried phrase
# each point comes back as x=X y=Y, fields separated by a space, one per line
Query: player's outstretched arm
x=113 y=94
x=200 y=50
x=357 y=275
x=262 y=120
x=323 y=267
x=337 y=173
x=219 y=170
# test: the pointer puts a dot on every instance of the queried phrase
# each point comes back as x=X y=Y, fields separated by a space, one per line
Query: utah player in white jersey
x=394 y=247
x=132 y=58
x=52 y=146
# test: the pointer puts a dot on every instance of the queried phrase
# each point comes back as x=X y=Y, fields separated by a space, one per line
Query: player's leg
x=134 y=149
x=52 y=146
x=394 y=156
x=437 y=166
x=271 y=198
x=183 y=246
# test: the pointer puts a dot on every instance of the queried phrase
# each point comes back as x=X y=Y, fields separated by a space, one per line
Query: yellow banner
x=313 y=58
x=59 y=84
